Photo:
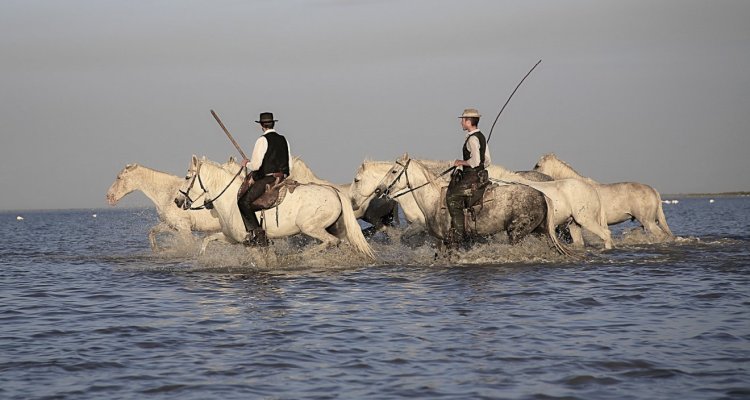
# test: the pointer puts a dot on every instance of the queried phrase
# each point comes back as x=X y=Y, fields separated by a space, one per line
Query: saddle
x=483 y=193
x=275 y=194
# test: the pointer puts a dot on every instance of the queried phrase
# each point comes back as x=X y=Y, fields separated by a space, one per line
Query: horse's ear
x=194 y=160
x=232 y=160
x=130 y=166
x=404 y=157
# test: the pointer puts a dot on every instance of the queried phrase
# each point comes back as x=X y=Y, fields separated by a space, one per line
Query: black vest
x=277 y=155
x=482 y=150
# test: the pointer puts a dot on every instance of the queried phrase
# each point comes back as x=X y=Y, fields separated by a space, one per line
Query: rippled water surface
x=87 y=311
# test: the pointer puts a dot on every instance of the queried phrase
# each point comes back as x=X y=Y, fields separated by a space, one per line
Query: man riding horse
x=270 y=163
x=470 y=178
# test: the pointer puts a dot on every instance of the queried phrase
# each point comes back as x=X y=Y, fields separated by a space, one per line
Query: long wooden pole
x=229 y=135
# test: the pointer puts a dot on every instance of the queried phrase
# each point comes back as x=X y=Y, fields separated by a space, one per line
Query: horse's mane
x=131 y=167
x=222 y=168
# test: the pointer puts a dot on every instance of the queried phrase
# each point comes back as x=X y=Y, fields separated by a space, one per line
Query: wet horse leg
x=320 y=233
x=590 y=223
x=575 y=234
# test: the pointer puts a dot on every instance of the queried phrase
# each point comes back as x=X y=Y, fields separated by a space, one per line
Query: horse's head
x=546 y=163
x=188 y=194
x=123 y=184
x=231 y=165
x=374 y=179
x=301 y=172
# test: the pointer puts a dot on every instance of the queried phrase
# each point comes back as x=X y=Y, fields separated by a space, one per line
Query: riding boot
x=466 y=242
x=252 y=227
x=454 y=239
x=259 y=237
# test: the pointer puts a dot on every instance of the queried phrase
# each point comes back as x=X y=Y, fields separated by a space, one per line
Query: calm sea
x=87 y=311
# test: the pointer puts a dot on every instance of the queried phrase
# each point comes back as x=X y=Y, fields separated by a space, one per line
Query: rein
x=208 y=203
x=387 y=191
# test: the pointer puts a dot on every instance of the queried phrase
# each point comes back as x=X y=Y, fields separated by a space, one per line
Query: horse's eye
x=356 y=180
x=187 y=177
x=377 y=190
x=394 y=172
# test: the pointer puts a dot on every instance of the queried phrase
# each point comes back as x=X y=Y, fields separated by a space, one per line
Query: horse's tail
x=551 y=227
x=353 y=230
x=660 y=215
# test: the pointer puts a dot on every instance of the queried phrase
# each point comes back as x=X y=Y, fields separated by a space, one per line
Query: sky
x=656 y=92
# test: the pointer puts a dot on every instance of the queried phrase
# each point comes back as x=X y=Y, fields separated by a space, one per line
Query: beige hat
x=470 y=113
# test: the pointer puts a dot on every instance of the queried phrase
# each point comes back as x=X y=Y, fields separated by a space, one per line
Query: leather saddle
x=275 y=194
x=483 y=193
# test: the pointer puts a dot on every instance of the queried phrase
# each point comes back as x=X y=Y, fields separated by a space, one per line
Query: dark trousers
x=460 y=192
x=247 y=209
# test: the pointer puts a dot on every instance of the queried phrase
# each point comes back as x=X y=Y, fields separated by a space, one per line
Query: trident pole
x=508 y=101
x=229 y=135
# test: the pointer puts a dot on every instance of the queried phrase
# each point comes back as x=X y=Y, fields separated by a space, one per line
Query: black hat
x=266 y=117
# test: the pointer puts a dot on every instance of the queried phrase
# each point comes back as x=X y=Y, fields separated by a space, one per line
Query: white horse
x=377 y=213
x=515 y=209
x=309 y=209
x=161 y=189
x=621 y=201
x=574 y=202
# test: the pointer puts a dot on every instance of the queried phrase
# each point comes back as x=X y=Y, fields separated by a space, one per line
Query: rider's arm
x=259 y=151
x=291 y=164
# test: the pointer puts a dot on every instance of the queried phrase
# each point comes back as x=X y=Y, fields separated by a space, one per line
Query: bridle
x=387 y=192
x=208 y=204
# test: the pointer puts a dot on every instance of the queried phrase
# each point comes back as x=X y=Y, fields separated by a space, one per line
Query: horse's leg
x=322 y=235
x=210 y=238
x=593 y=226
x=518 y=228
x=161 y=227
x=576 y=236
x=648 y=219
x=413 y=229
x=311 y=227
x=649 y=225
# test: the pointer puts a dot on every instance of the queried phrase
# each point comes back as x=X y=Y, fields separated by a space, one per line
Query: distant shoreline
x=688 y=195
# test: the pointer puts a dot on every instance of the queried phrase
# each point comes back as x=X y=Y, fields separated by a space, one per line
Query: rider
x=463 y=185
x=271 y=162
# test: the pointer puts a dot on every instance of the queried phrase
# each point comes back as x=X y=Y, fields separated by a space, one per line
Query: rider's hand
x=245 y=161
x=458 y=163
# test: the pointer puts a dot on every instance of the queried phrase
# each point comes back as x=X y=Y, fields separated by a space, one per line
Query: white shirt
x=473 y=146
x=259 y=151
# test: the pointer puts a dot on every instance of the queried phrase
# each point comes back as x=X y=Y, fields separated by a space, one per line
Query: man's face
x=465 y=124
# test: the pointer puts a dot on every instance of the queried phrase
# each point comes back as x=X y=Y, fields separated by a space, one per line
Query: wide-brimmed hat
x=470 y=113
x=266 y=117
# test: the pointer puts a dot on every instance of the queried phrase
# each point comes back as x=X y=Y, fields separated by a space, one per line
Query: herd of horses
x=551 y=197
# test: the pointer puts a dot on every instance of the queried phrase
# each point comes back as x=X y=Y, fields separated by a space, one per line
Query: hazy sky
x=650 y=91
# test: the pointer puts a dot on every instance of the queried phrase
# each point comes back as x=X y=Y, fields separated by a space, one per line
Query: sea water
x=88 y=311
